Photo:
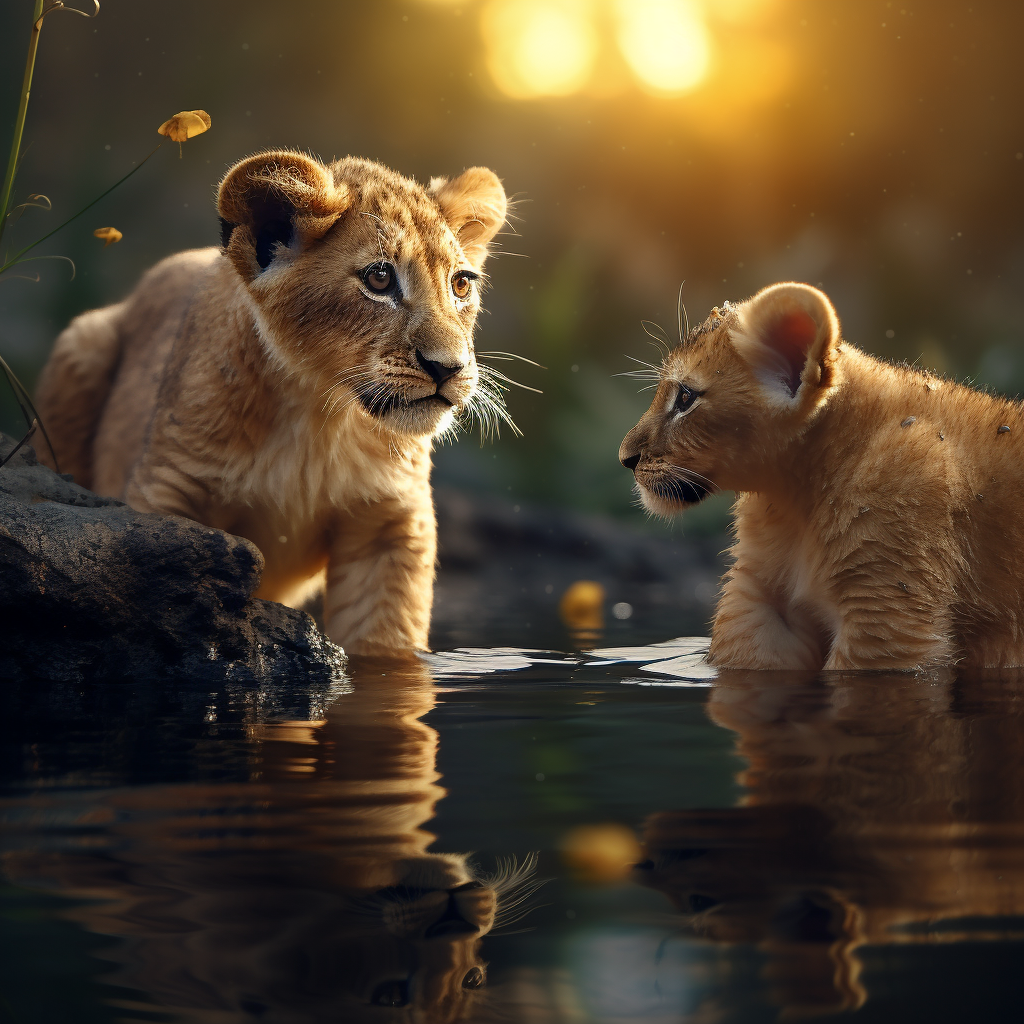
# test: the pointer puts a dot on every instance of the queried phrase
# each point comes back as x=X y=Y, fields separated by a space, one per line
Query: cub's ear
x=789 y=334
x=271 y=198
x=474 y=205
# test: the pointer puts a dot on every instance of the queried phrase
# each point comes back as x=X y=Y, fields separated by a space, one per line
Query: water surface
x=505 y=835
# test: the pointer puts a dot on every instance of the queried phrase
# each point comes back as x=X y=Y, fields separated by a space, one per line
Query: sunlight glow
x=740 y=12
x=540 y=47
x=665 y=43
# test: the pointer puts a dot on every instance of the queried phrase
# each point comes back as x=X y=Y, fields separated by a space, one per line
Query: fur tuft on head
x=789 y=334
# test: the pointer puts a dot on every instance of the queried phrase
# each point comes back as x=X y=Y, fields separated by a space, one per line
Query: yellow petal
x=185 y=124
x=109 y=235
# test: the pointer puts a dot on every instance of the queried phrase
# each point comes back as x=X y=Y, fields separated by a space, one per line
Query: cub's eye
x=685 y=398
x=462 y=284
x=380 y=278
x=474 y=978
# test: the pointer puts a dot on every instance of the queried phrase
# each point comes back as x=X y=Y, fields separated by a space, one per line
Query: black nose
x=631 y=462
x=439 y=373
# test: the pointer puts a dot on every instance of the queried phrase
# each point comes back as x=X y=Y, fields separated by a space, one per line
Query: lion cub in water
x=879 y=521
x=287 y=387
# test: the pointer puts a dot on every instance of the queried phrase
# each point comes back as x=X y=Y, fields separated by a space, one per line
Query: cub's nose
x=438 y=372
x=631 y=461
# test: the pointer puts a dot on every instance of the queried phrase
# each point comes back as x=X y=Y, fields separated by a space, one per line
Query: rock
x=91 y=588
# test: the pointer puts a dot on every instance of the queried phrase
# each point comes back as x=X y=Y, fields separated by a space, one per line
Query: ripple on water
x=683 y=661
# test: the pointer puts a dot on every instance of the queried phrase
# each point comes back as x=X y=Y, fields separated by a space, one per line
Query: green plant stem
x=19 y=124
x=16 y=258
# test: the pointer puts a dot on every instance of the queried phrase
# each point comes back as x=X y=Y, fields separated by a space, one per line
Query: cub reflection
x=879 y=810
x=306 y=894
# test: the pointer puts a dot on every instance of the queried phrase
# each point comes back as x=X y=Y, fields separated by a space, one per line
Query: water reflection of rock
x=305 y=894
x=880 y=810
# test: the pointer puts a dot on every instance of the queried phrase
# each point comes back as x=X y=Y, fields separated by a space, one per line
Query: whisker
x=660 y=337
x=360 y=371
x=374 y=216
x=684 y=320
x=497 y=375
x=487 y=406
x=643 y=362
x=692 y=476
x=640 y=374
x=496 y=353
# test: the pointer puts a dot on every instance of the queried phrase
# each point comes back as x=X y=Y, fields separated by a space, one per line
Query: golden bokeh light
x=601 y=853
x=665 y=43
x=739 y=12
x=539 y=47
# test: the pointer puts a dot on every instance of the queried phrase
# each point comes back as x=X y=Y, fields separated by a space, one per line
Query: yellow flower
x=185 y=124
x=109 y=235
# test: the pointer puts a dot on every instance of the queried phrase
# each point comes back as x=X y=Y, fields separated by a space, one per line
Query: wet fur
x=878 y=522
x=259 y=389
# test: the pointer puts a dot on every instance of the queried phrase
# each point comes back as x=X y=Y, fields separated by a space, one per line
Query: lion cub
x=287 y=387
x=879 y=521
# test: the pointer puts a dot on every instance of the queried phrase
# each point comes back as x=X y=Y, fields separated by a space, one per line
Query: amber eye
x=462 y=284
x=474 y=978
x=379 y=277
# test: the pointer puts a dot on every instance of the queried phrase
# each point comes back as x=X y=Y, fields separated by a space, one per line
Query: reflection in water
x=304 y=894
x=879 y=810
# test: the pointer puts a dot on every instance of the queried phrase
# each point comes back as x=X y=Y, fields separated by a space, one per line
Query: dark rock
x=91 y=588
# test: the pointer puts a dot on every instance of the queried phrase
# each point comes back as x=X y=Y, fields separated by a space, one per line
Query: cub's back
x=98 y=391
x=153 y=320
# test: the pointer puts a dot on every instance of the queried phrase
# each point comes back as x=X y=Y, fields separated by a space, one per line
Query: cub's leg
x=380 y=576
x=749 y=632
x=894 y=633
x=73 y=389
x=162 y=486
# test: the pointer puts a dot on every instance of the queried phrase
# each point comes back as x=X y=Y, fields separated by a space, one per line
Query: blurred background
x=874 y=148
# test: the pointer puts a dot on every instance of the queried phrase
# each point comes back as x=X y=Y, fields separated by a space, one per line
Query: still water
x=519 y=837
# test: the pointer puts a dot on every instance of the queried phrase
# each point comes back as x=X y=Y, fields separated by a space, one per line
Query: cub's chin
x=670 y=497
x=425 y=417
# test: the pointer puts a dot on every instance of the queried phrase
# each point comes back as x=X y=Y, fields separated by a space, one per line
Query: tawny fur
x=265 y=389
x=879 y=521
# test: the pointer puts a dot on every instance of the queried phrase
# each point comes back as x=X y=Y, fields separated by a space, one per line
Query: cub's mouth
x=666 y=495
x=682 y=491
x=380 y=402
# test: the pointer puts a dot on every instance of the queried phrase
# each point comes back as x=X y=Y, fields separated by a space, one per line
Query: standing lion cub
x=287 y=386
x=880 y=517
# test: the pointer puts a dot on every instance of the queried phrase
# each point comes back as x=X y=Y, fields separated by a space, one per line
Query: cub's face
x=732 y=396
x=427 y=954
x=365 y=284
x=699 y=422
